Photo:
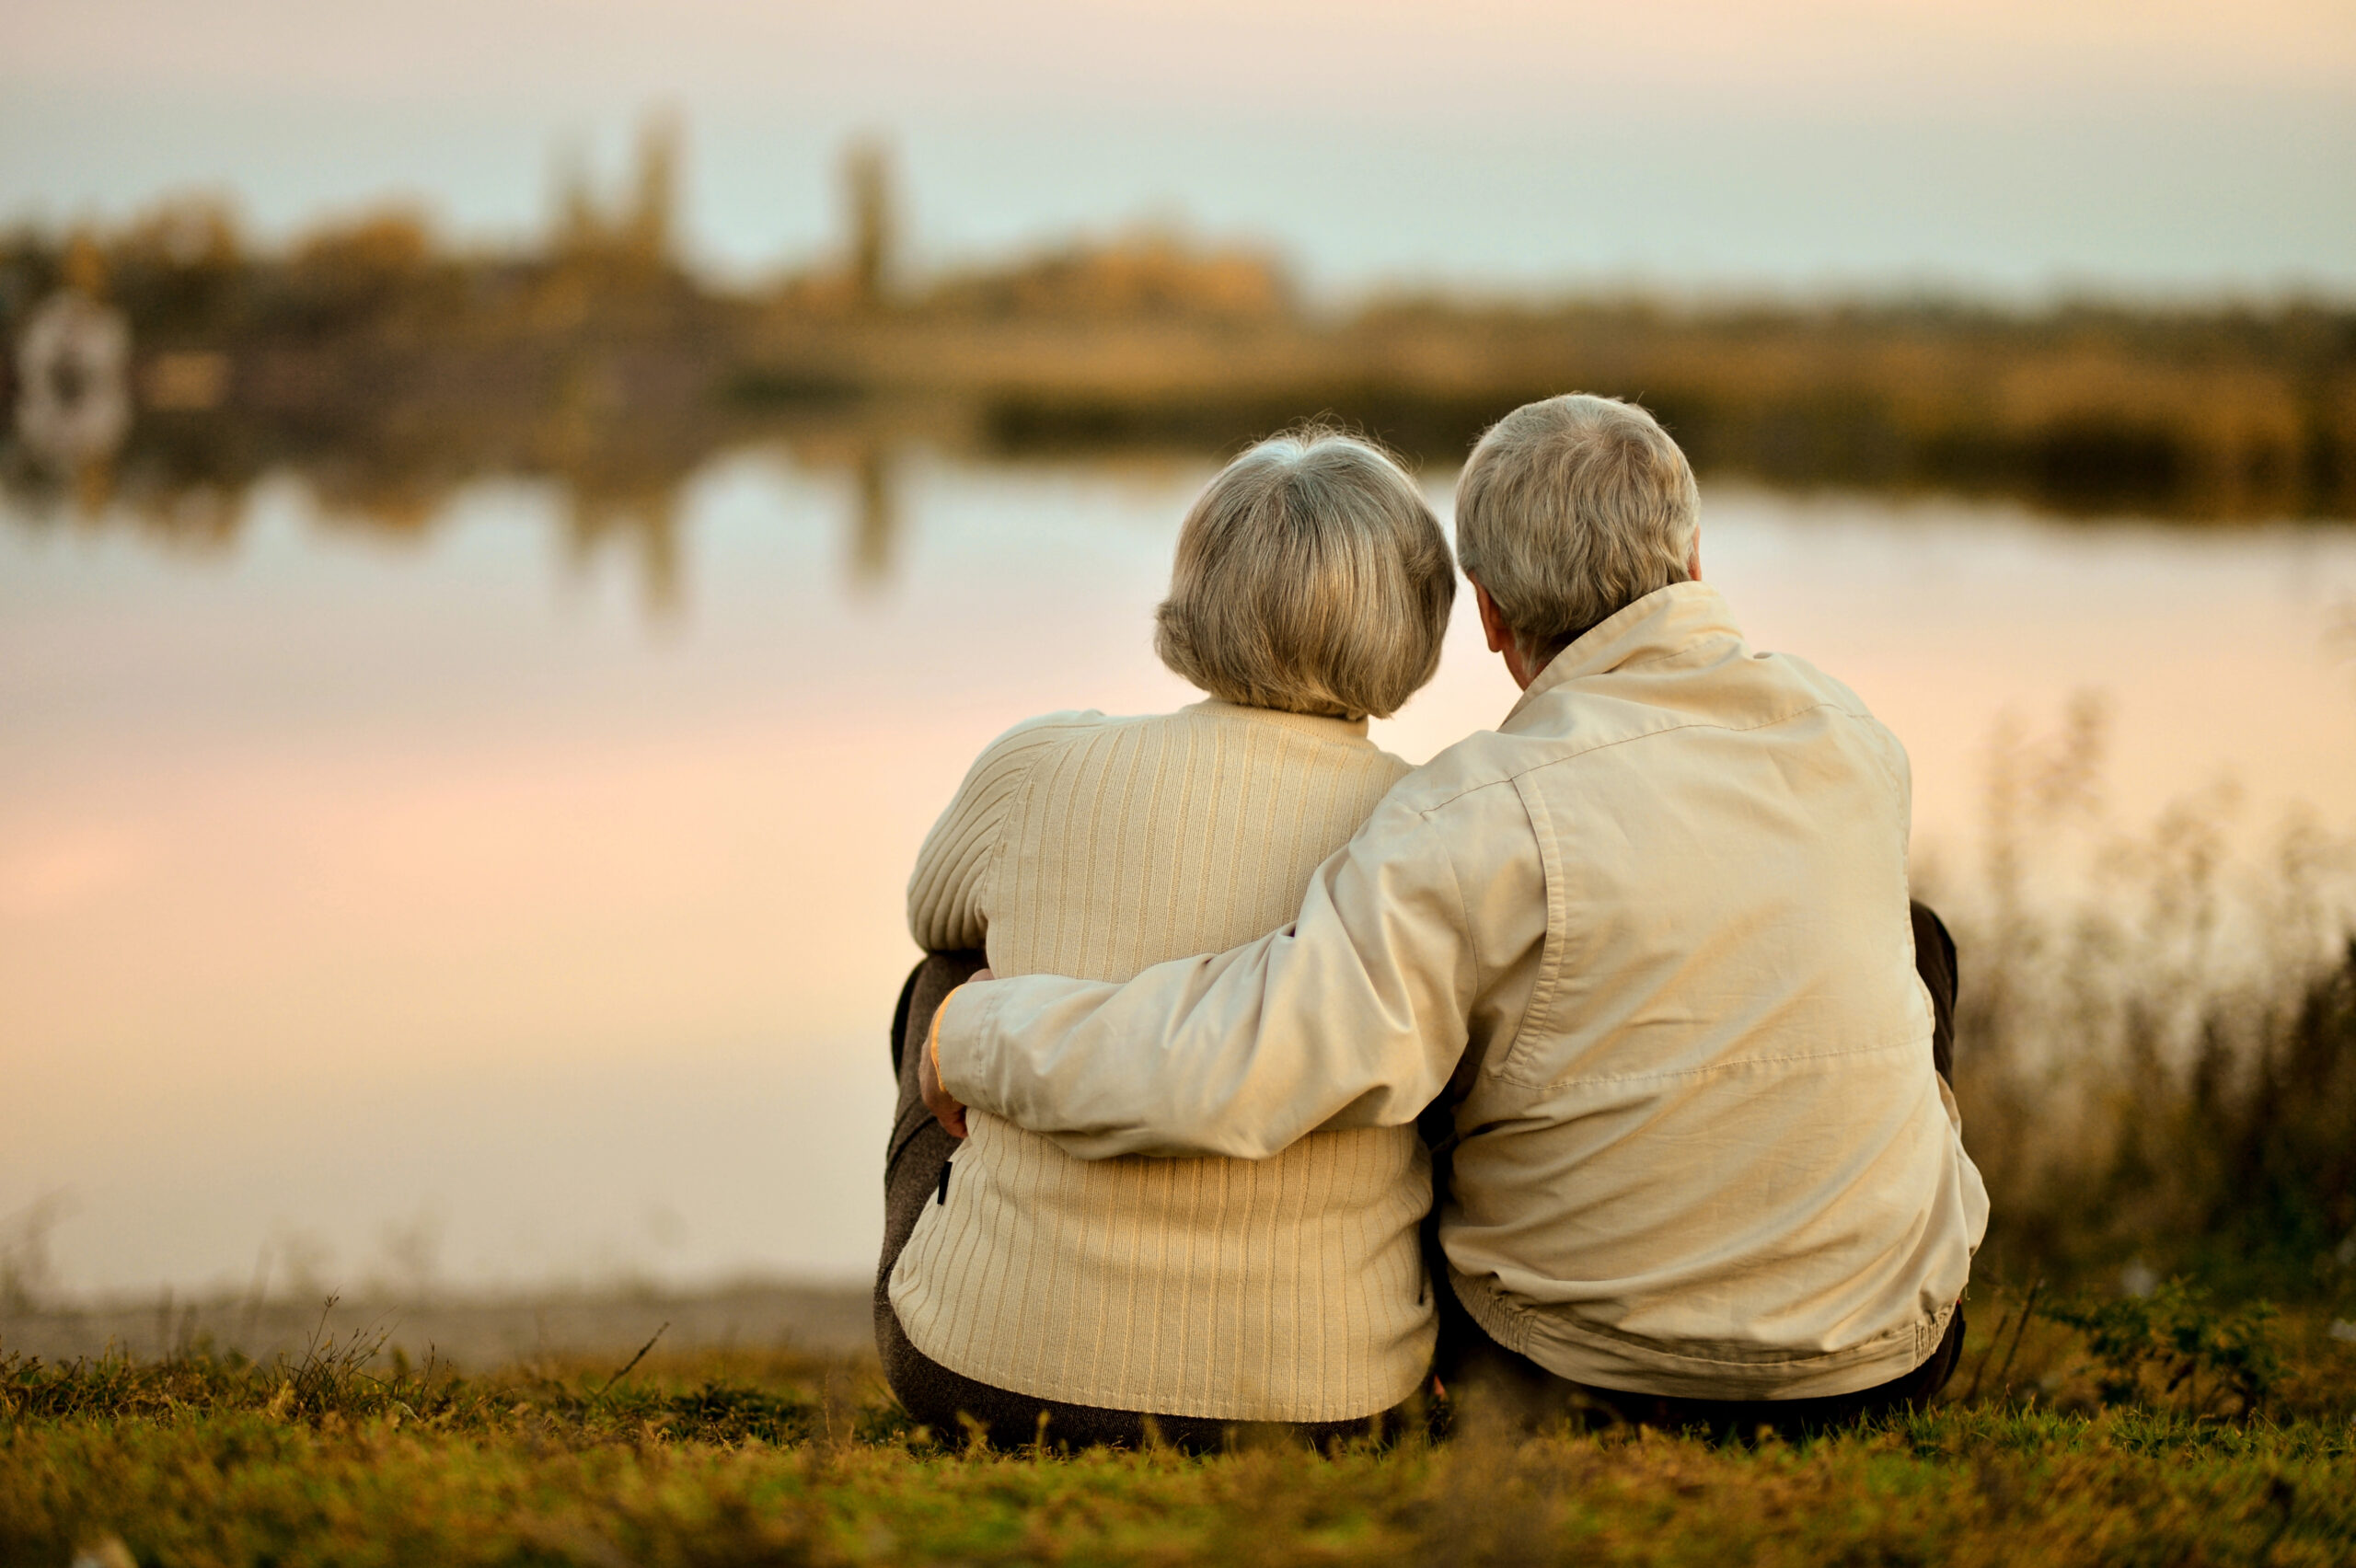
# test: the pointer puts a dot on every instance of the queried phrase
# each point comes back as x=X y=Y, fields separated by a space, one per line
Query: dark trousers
x=916 y=1171
x=1471 y=1363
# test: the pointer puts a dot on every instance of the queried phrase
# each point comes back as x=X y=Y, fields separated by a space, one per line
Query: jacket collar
x=1662 y=624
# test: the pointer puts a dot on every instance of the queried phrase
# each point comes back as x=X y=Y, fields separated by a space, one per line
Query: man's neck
x=1522 y=668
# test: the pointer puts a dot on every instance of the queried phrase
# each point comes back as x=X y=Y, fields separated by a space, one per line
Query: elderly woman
x=1026 y=1292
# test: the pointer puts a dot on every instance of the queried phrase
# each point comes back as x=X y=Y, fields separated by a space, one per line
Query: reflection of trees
x=385 y=368
x=877 y=519
x=73 y=403
x=184 y=483
x=378 y=366
x=645 y=526
x=381 y=372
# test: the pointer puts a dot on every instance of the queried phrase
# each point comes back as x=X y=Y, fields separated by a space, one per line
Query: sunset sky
x=1376 y=58
x=2007 y=147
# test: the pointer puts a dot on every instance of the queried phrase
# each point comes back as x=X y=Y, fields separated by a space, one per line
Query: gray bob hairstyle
x=1309 y=577
x=1569 y=511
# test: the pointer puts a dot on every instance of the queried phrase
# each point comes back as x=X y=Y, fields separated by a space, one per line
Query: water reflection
x=870 y=555
x=643 y=525
x=613 y=500
x=164 y=367
x=341 y=886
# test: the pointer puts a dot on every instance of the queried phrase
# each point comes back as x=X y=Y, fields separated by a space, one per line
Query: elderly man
x=1648 y=946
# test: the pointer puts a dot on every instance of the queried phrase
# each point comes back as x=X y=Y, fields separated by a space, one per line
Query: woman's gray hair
x=1311 y=577
x=1569 y=511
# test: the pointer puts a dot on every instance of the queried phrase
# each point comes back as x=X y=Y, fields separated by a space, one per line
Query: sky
x=2004 y=147
x=1476 y=56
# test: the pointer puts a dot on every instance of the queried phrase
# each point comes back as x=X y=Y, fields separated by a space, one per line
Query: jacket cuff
x=968 y=1029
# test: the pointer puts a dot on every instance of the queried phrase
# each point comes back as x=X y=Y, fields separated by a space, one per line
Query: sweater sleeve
x=1354 y=1015
x=948 y=890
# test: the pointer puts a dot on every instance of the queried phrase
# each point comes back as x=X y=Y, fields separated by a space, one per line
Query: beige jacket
x=1652 y=936
x=1288 y=1288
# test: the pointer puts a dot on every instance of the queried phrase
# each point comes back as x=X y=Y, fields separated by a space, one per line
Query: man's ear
x=1492 y=620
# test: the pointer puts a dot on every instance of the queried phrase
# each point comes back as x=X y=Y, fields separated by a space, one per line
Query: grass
x=2069 y=1435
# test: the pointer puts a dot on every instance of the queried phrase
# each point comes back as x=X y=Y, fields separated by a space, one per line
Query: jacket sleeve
x=1352 y=1016
x=947 y=892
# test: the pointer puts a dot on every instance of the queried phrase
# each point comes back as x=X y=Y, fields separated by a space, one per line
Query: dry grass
x=2157 y=1045
x=339 y=1457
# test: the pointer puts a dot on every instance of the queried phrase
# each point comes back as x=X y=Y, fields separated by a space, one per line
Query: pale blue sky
x=2009 y=147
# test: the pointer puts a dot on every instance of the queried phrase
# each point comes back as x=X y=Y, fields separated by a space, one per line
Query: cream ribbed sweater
x=1282 y=1289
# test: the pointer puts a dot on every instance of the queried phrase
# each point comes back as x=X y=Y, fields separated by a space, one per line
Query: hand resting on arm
x=937 y=1100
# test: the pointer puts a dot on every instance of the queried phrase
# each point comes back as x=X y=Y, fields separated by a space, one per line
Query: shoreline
x=826 y=1320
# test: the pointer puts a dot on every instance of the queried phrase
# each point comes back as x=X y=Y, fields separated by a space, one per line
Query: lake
x=451 y=909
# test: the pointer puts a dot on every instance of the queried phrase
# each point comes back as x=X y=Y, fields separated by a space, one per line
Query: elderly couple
x=1628 y=995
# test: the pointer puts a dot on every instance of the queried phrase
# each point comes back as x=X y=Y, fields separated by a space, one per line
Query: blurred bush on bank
x=2156 y=1033
x=389 y=365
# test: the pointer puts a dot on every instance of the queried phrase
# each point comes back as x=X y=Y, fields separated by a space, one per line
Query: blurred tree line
x=386 y=365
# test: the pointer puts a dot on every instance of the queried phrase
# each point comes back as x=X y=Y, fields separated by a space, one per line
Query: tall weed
x=2156 y=1033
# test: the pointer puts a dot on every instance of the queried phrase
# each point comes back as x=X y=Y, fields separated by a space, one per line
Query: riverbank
x=168 y=365
x=478 y=1333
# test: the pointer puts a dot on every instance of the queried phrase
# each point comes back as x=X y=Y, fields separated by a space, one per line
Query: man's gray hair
x=1570 y=510
x=1311 y=577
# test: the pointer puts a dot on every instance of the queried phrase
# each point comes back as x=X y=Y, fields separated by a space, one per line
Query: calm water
x=381 y=910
